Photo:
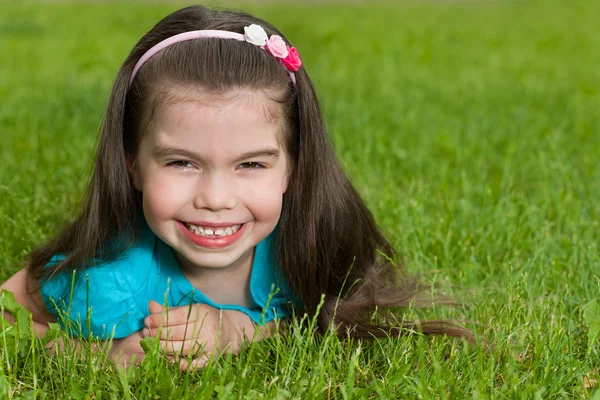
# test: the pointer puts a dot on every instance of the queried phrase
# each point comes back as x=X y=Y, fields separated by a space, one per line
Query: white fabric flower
x=255 y=34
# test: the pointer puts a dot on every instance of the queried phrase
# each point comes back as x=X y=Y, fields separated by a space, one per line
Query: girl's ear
x=132 y=167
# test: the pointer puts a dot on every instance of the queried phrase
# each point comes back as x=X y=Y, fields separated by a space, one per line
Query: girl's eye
x=180 y=164
x=251 y=165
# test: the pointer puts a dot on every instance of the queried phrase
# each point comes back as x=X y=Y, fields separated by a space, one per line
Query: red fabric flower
x=292 y=61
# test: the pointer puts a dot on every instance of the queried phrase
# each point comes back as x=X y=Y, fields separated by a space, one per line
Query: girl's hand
x=199 y=331
x=123 y=352
x=127 y=351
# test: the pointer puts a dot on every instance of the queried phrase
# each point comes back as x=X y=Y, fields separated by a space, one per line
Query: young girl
x=216 y=205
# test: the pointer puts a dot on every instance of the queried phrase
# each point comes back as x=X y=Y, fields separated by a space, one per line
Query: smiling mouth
x=212 y=232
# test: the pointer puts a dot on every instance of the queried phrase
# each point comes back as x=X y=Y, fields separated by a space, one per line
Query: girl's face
x=213 y=171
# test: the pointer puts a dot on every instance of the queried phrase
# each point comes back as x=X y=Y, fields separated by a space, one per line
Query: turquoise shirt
x=115 y=295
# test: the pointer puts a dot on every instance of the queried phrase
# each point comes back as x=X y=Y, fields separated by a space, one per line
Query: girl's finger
x=155 y=307
x=186 y=364
x=172 y=359
x=185 y=348
x=179 y=316
x=179 y=332
x=170 y=316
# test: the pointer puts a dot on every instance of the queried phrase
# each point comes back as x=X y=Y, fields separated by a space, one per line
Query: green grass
x=471 y=128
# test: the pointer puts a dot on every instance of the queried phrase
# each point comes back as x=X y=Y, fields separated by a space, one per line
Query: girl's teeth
x=198 y=230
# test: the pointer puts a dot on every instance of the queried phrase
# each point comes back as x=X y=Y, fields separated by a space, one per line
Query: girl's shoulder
x=129 y=267
x=112 y=293
x=267 y=283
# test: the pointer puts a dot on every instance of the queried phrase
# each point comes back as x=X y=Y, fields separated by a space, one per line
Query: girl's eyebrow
x=162 y=151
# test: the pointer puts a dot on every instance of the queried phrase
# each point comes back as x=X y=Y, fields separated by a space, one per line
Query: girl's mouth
x=212 y=232
x=212 y=237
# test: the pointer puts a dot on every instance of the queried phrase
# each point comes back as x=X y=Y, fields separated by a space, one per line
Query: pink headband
x=254 y=34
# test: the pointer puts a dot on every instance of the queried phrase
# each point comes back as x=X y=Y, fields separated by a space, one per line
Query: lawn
x=472 y=129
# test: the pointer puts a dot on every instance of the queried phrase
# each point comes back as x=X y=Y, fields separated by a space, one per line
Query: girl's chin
x=192 y=264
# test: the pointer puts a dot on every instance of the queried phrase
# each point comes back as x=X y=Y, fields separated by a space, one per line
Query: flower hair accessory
x=274 y=45
x=256 y=35
x=253 y=34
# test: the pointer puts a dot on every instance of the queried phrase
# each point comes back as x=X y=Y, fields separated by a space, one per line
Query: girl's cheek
x=161 y=207
x=264 y=200
x=163 y=196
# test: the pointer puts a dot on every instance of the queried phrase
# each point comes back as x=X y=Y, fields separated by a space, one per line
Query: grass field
x=471 y=128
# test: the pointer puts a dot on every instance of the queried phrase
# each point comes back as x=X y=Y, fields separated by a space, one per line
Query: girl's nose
x=215 y=192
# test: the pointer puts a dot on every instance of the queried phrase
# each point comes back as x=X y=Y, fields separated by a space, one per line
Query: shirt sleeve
x=268 y=286
x=92 y=302
x=103 y=301
x=278 y=305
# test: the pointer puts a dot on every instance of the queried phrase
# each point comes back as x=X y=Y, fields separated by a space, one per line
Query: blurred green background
x=472 y=129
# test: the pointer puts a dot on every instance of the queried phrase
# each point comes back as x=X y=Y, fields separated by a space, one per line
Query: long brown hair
x=329 y=246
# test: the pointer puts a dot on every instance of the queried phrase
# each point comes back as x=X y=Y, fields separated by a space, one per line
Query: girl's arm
x=122 y=350
x=31 y=301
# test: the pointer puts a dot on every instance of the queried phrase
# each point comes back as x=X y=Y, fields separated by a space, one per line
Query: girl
x=216 y=204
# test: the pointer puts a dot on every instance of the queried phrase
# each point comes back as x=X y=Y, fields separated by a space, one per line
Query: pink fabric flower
x=276 y=47
x=292 y=61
